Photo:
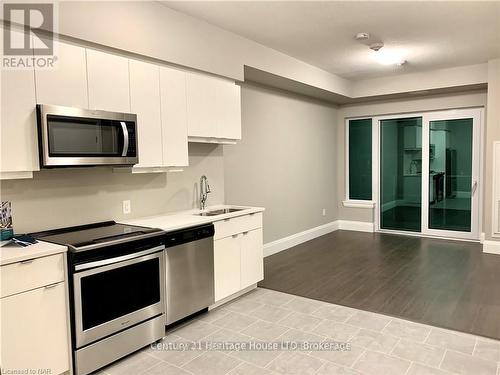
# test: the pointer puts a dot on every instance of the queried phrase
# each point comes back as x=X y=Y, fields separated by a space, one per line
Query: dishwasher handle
x=188 y=235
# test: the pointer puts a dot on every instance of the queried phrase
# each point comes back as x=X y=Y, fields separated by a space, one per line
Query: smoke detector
x=376 y=46
x=362 y=36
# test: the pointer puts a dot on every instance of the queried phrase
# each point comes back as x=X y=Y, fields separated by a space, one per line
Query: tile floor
x=380 y=345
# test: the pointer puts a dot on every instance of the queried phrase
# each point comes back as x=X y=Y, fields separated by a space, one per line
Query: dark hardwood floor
x=448 y=284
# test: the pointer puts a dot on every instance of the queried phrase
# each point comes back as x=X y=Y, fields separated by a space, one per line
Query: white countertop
x=185 y=219
x=12 y=253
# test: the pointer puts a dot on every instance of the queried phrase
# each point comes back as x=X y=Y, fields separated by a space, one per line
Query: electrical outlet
x=324 y=211
x=126 y=207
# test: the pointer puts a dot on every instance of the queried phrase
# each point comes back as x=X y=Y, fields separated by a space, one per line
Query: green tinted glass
x=360 y=159
x=450 y=175
x=401 y=174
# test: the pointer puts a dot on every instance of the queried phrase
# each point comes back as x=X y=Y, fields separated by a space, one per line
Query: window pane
x=401 y=174
x=360 y=159
x=450 y=175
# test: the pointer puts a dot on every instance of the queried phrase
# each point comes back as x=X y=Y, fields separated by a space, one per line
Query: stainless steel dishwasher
x=189 y=271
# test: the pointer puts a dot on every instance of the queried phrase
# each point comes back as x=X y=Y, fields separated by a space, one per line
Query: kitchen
x=167 y=156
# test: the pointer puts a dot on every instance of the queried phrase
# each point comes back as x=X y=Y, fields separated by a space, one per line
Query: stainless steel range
x=117 y=281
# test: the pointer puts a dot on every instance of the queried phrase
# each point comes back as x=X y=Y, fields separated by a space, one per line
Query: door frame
x=477 y=113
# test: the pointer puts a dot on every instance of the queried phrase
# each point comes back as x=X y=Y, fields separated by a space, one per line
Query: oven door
x=113 y=294
x=78 y=137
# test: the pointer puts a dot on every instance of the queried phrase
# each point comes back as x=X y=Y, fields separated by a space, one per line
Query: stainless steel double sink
x=220 y=211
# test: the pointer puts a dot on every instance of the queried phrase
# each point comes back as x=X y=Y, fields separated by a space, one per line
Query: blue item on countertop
x=6 y=233
x=24 y=240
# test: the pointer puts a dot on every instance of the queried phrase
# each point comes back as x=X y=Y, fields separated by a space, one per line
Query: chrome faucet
x=204 y=190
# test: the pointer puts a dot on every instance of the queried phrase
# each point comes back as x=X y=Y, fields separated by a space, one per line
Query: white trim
x=495 y=220
x=424 y=235
x=358 y=204
x=232 y=296
x=274 y=247
x=358 y=226
x=221 y=141
x=346 y=160
x=16 y=175
x=491 y=247
x=482 y=238
x=285 y=243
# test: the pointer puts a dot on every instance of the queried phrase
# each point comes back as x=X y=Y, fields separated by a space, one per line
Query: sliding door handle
x=474 y=188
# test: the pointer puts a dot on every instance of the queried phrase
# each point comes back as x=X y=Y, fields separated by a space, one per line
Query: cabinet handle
x=234 y=235
x=51 y=286
x=28 y=261
x=245 y=233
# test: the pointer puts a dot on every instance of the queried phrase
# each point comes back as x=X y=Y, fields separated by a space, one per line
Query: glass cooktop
x=91 y=234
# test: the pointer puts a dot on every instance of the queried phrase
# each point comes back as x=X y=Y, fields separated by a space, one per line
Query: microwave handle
x=125 y=138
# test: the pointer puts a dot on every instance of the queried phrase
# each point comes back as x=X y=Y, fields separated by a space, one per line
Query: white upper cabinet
x=202 y=113
x=228 y=104
x=18 y=134
x=108 y=81
x=145 y=102
x=174 y=117
x=214 y=109
x=66 y=84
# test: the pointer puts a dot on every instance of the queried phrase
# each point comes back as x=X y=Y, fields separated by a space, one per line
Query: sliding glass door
x=401 y=174
x=451 y=173
x=429 y=173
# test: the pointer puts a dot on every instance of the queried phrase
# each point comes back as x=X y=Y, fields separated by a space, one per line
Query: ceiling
x=429 y=34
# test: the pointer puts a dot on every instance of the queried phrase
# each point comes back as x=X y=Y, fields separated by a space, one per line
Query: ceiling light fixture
x=386 y=57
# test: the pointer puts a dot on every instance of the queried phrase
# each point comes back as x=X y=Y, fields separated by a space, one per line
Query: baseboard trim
x=285 y=243
x=232 y=296
x=274 y=247
x=491 y=247
x=359 y=226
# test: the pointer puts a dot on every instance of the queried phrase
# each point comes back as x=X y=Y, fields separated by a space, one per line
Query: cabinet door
x=228 y=110
x=201 y=105
x=18 y=134
x=108 y=79
x=174 y=117
x=227 y=266
x=34 y=330
x=66 y=84
x=252 y=258
x=145 y=102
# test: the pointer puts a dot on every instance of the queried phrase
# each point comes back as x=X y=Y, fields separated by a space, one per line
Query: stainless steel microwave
x=72 y=137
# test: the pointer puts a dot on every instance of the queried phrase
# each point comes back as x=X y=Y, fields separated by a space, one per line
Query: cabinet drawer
x=239 y=224
x=30 y=274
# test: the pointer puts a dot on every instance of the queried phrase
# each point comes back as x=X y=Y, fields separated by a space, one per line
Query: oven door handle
x=104 y=262
x=125 y=138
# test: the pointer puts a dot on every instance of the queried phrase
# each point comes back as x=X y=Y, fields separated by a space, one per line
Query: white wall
x=65 y=197
x=435 y=79
x=430 y=103
x=286 y=161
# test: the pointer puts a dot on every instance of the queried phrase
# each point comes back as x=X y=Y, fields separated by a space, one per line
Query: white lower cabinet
x=252 y=268
x=238 y=257
x=227 y=260
x=34 y=331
